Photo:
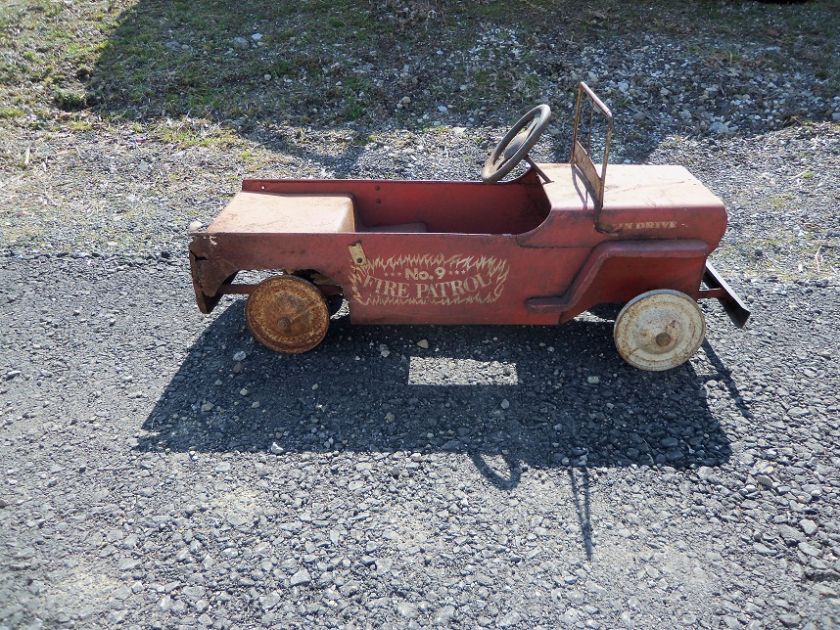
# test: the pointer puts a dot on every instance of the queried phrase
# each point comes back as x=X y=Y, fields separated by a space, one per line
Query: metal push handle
x=581 y=156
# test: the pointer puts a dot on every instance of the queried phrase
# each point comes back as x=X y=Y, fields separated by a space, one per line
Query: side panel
x=208 y=275
x=621 y=279
x=577 y=226
x=619 y=271
x=454 y=280
x=406 y=278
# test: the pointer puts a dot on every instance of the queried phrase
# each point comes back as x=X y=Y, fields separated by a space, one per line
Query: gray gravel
x=153 y=476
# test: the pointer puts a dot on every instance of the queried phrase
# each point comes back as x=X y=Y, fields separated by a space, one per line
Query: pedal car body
x=540 y=249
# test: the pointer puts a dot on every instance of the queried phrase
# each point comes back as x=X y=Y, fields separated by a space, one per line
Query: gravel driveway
x=160 y=470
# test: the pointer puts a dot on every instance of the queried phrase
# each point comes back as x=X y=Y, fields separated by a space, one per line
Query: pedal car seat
x=286 y=213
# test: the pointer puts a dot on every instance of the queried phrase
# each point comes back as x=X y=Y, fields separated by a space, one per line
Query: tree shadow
x=268 y=69
x=260 y=67
x=322 y=62
x=543 y=398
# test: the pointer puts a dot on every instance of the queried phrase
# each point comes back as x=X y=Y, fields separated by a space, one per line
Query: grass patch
x=80 y=125
x=69 y=100
x=778 y=202
x=11 y=112
x=187 y=134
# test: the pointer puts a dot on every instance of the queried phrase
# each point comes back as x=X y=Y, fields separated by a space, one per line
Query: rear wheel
x=287 y=314
x=659 y=330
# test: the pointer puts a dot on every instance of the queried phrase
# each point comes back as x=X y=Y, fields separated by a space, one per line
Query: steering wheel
x=514 y=147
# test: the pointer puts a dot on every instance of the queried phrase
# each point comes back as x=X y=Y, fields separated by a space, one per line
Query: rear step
x=732 y=304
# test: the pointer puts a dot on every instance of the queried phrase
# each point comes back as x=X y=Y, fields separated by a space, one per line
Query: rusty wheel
x=287 y=314
x=659 y=330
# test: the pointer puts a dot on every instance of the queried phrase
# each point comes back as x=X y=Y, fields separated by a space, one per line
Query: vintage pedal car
x=540 y=249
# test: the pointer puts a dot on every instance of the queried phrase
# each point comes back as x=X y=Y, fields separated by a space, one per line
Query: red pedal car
x=540 y=249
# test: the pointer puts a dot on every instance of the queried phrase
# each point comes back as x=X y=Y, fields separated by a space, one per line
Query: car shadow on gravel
x=535 y=396
x=509 y=398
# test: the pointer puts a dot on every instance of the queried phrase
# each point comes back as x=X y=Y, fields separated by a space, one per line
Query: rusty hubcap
x=287 y=314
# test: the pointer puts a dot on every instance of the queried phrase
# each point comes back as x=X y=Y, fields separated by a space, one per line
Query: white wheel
x=659 y=330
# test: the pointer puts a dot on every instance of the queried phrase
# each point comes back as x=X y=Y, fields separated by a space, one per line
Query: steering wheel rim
x=514 y=147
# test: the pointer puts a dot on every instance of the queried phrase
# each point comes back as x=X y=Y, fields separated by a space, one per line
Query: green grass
x=11 y=112
x=69 y=100
x=779 y=202
x=186 y=135
x=80 y=125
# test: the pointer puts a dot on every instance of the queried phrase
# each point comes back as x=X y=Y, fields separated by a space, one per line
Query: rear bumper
x=720 y=289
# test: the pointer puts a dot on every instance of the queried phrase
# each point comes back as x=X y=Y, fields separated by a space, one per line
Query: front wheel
x=659 y=330
x=287 y=314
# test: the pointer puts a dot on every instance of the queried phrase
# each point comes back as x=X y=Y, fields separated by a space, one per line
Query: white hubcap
x=659 y=330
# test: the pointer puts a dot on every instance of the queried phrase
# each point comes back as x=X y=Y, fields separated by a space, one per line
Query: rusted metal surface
x=527 y=251
x=544 y=234
x=514 y=146
x=732 y=304
x=208 y=275
x=659 y=330
x=595 y=285
x=287 y=314
x=540 y=261
x=581 y=156
x=643 y=202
